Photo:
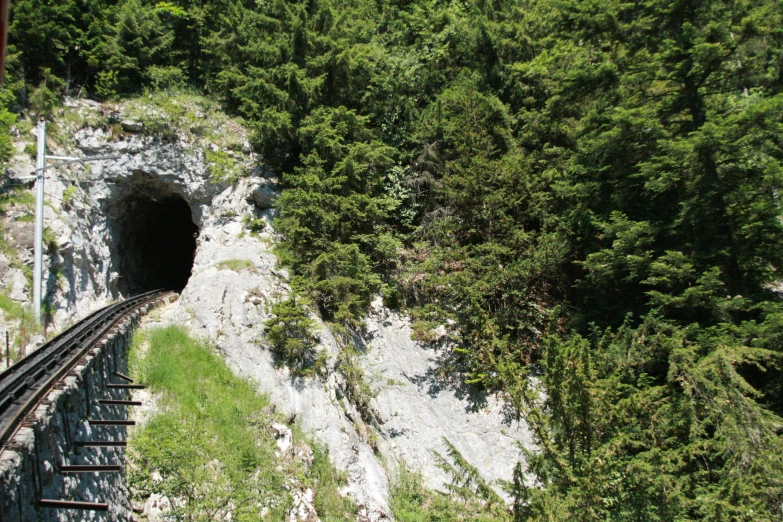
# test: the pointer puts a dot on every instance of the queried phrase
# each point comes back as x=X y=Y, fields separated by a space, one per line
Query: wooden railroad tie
x=123 y=376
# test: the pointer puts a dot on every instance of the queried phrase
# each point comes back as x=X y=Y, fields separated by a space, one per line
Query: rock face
x=263 y=196
x=234 y=281
x=417 y=408
x=88 y=206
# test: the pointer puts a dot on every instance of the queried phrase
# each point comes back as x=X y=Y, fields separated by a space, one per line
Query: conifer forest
x=580 y=197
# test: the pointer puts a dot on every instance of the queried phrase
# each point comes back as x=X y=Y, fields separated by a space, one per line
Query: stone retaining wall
x=30 y=462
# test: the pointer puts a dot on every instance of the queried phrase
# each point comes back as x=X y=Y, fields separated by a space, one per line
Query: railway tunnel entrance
x=153 y=236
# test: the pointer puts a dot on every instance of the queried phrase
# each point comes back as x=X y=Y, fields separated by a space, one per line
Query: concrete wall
x=29 y=463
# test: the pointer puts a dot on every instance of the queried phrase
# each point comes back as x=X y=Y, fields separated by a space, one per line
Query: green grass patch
x=70 y=194
x=237 y=265
x=74 y=119
x=25 y=200
x=10 y=307
x=49 y=240
x=255 y=225
x=186 y=115
x=222 y=166
x=31 y=149
x=211 y=442
x=23 y=323
x=23 y=315
x=21 y=197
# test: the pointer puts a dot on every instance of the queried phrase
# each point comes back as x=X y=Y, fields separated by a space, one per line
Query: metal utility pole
x=40 y=171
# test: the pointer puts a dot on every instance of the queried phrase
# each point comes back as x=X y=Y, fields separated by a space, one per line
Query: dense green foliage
x=586 y=190
x=226 y=468
x=290 y=331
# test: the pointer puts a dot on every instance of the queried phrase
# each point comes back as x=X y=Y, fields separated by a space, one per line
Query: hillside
x=577 y=201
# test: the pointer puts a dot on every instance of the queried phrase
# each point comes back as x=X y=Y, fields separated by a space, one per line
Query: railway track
x=23 y=385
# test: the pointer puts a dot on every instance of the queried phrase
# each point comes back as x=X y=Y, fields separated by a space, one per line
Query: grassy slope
x=210 y=441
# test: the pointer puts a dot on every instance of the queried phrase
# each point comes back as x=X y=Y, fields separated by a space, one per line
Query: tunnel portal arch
x=153 y=236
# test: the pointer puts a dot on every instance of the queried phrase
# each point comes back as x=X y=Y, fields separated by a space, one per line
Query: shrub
x=7 y=119
x=255 y=225
x=357 y=389
x=46 y=96
x=410 y=501
x=166 y=78
x=291 y=333
x=106 y=85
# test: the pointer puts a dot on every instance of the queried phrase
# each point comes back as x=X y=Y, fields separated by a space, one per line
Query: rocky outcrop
x=418 y=408
x=81 y=272
x=235 y=280
x=415 y=407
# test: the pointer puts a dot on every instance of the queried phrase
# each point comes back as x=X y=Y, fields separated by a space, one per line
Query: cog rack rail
x=26 y=383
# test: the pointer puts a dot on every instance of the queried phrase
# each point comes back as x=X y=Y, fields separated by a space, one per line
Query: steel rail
x=23 y=385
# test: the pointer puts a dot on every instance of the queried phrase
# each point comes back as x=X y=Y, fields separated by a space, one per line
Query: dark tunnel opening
x=155 y=241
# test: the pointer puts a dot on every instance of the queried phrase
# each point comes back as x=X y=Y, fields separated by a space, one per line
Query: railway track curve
x=26 y=383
